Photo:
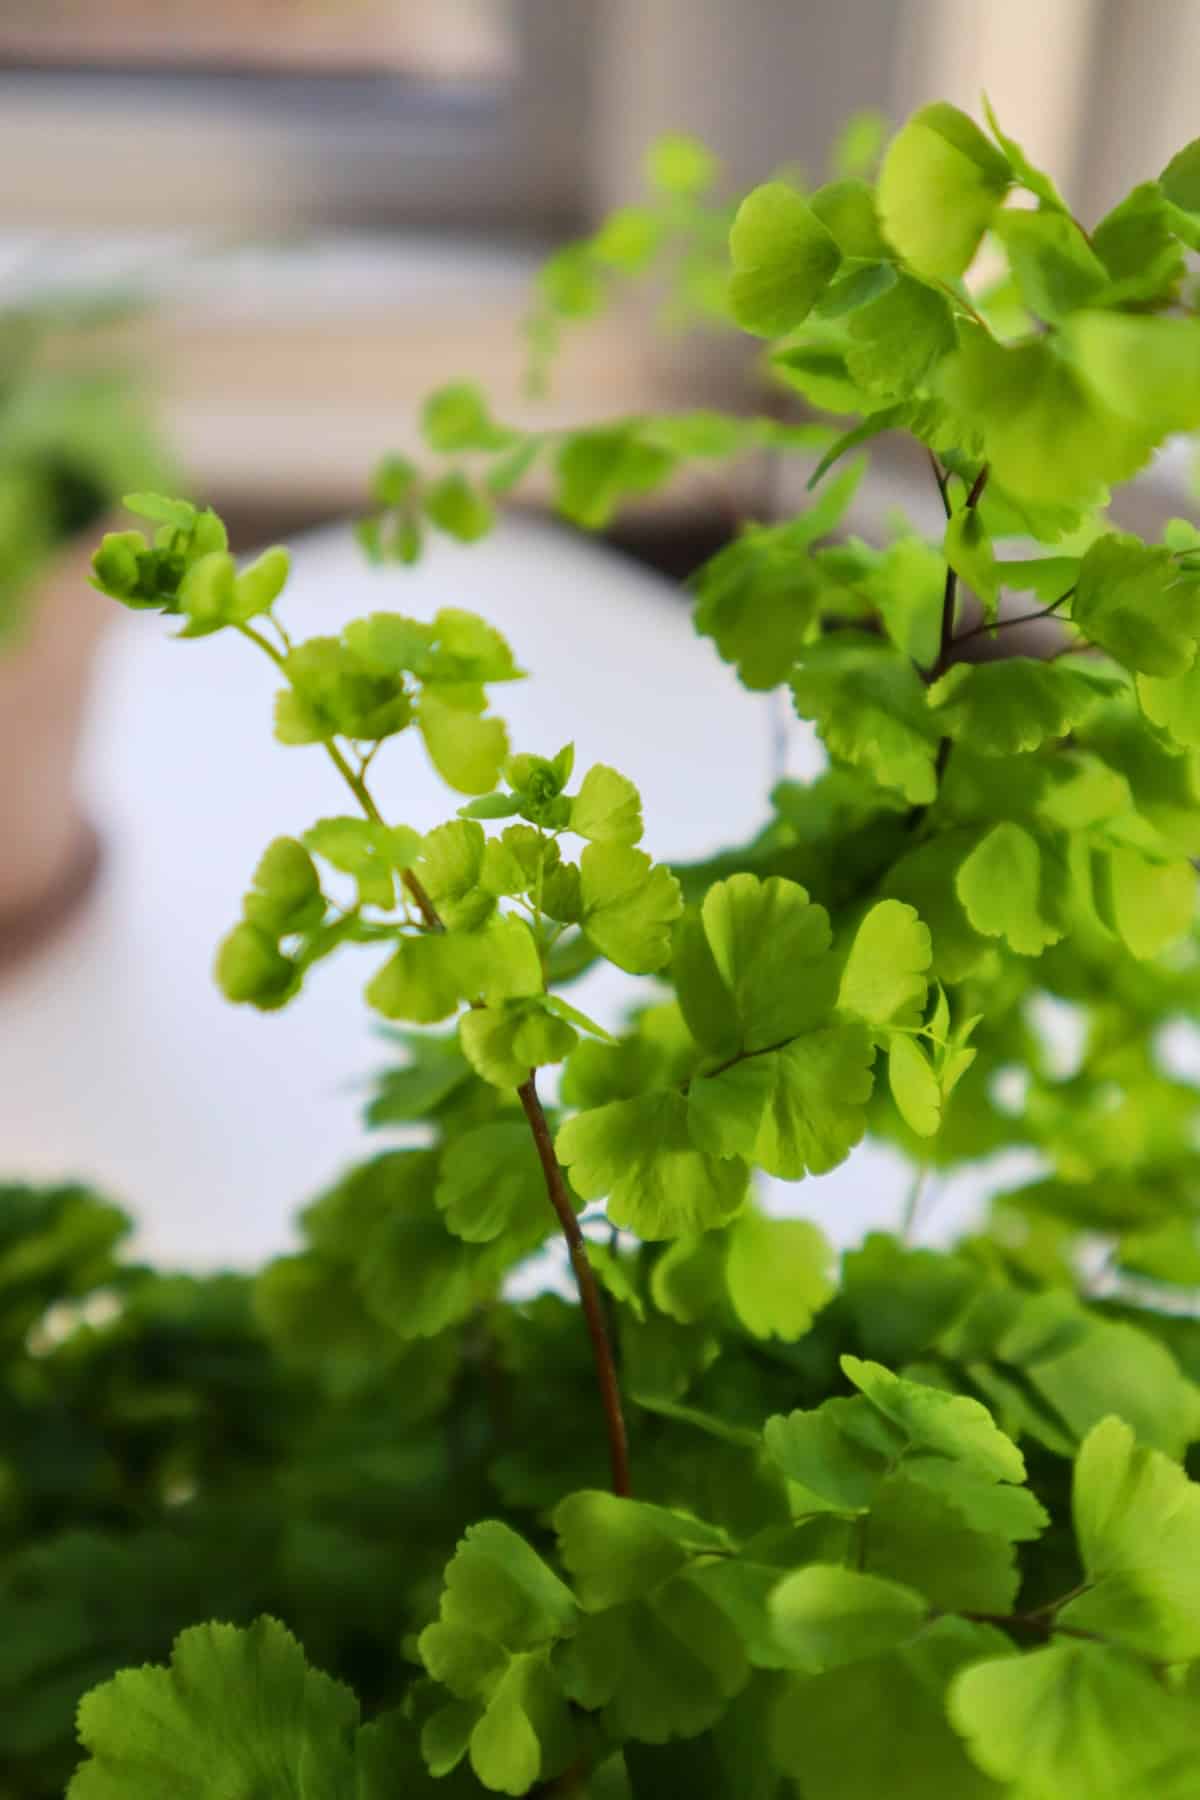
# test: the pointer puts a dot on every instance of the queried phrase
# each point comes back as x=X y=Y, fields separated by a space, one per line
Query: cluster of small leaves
x=922 y=1524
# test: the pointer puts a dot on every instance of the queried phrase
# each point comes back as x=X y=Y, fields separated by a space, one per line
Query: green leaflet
x=467 y=751
x=640 y=1154
x=1000 y=885
x=1075 y=1721
x=1056 y=270
x=880 y=1727
x=490 y=1181
x=825 y=1616
x=939 y=187
x=884 y=978
x=660 y=1667
x=1050 y=430
x=628 y=906
x=236 y=1709
x=372 y=853
x=1004 y=708
x=777 y=1273
x=791 y=1111
x=1173 y=702
x=456 y=417
x=869 y=706
x=607 y=809
x=759 y=598
x=898 y=339
x=1131 y=600
x=502 y=1610
x=617 y=1550
x=758 y=973
x=945 y=1424
x=1137 y=1518
x=914 y=1086
x=458 y=509
x=783 y=257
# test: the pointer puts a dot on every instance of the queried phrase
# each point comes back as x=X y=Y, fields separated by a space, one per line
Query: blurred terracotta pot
x=48 y=850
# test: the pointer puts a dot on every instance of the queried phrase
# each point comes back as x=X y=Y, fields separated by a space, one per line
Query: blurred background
x=239 y=241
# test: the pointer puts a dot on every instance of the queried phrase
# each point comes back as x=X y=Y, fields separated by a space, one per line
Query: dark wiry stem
x=589 y=1291
x=556 y=1187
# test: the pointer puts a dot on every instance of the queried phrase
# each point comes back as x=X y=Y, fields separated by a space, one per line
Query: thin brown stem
x=556 y=1187
x=1029 y=618
x=589 y=1290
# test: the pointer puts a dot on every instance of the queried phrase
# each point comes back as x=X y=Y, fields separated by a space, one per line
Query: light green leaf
x=608 y=808
x=838 y=1454
x=1174 y=703
x=1148 y=904
x=467 y=751
x=1137 y=1519
x=1137 y=244
x=596 y=470
x=846 y=208
x=826 y=1616
x=791 y=1111
x=1000 y=886
x=879 y=1728
x=939 y=187
x=1075 y=1721
x=1131 y=600
x=629 y=906
x=869 y=706
x=778 y=1273
x=662 y=1667
x=1056 y=270
x=334 y=691
x=679 y=164
x=919 y=1535
x=952 y=1425
x=914 y=1086
x=1011 y=706
x=1049 y=434
x=427 y=976
x=499 y=1589
x=286 y=895
x=783 y=258
x=884 y=979
x=451 y=871
x=490 y=1181
x=372 y=853
x=502 y=1609
x=627 y=238
x=1144 y=369
x=758 y=598
x=640 y=1154
x=458 y=509
x=260 y=584
x=504 y=1042
x=456 y=417
x=619 y=1550
x=237 y=1712
x=898 y=338
x=767 y=941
